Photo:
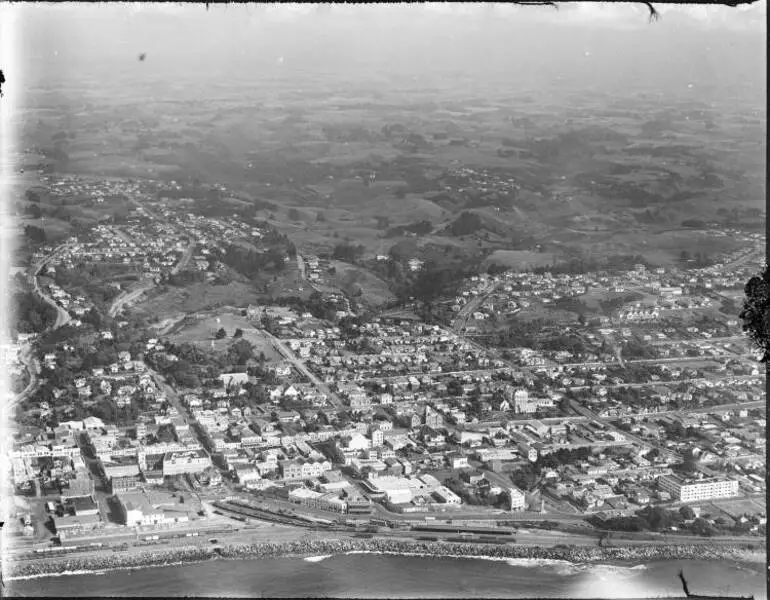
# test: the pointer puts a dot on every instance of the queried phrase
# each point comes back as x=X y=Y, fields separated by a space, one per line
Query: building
x=324 y=501
x=233 y=379
x=189 y=461
x=72 y=526
x=699 y=489
x=81 y=486
x=83 y=506
x=136 y=509
x=446 y=496
x=520 y=400
x=357 y=504
x=433 y=419
x=115 y=470
x=124 y=483
x=290 y=470
x=517 y=500
x=397 y=490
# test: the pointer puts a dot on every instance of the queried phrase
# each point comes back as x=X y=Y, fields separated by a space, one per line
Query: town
x=300 y=415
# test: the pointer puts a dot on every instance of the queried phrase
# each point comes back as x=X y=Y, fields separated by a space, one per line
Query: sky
x=612 y=44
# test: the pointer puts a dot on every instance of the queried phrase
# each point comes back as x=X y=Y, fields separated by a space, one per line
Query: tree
x=238 y=333
x=294 y=214
x=36 y=234
x=687 y=512
x=240 y=352
x=657 y=518
x=320 y=217
x=34 y=211
x=347 y=252
x=221 y=333
x=756 y=312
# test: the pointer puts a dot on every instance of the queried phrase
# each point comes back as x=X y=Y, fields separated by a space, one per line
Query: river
x=361 y=575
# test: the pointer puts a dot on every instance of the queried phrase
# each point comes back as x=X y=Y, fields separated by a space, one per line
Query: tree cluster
x=347 y=252
x=465 y=224
x=32 y=314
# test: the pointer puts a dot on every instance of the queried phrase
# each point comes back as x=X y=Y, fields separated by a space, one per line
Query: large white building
x=190 y=461
x=698 y=489
x=517 y=499
x=447 y=496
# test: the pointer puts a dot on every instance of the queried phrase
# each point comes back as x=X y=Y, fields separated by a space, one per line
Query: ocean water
x=365 y=575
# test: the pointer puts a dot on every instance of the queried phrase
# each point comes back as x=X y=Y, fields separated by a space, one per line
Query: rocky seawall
x=574 y=554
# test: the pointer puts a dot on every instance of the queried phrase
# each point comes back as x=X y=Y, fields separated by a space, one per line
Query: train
x=481 y=531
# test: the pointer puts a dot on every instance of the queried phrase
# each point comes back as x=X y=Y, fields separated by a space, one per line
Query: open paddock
x=519 y=259
x=203 y=331
x=198 y=297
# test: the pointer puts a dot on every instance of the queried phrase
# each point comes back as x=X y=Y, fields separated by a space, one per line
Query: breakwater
x=574 y=554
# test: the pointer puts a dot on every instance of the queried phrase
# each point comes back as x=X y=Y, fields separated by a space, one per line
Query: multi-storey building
x=694 y=490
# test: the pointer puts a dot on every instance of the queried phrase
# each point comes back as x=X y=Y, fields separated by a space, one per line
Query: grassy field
x=348 y=277
x=202 y=332
x=739 y=506
x=198 y=297
x=519 y=259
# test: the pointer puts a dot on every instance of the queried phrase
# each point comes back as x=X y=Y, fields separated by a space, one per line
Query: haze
x=715 y=48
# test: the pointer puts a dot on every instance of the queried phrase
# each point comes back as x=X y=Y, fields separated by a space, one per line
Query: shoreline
x=576 y=555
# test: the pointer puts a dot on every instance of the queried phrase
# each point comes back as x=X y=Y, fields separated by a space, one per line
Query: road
x=171 y=395
x=642 y=361
x=33 y=368
x=182 y=264
x=582 y=410
x=303 y=280
x=472 y=373
x=713 y=340
x=62 y=316
x=616 y=386
x=127 y=298
x=756 y=254
x=461 y=320
x=123 y=235
x=151 y=214
x=300 y=366
x=301 y=267
x=701 y=409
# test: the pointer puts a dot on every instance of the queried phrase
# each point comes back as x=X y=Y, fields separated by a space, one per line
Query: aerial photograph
x=383 y=300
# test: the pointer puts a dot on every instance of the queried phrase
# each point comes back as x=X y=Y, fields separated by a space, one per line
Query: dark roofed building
x=84 y=505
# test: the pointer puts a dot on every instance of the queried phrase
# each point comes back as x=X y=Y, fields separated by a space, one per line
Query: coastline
x=316 y=548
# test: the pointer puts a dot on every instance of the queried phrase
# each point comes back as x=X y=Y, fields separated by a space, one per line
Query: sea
x=370 y=575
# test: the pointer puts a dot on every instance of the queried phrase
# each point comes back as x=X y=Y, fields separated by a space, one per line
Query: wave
x=315 y=559
x=562 y=567
x=62 y=574
x=109 y=569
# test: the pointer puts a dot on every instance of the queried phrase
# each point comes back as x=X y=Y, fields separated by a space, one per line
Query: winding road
x=62 y=316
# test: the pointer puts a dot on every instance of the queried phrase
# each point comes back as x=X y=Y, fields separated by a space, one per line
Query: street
x=300 y=366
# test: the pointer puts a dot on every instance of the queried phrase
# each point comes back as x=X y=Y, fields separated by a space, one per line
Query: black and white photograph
x=386 y=300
